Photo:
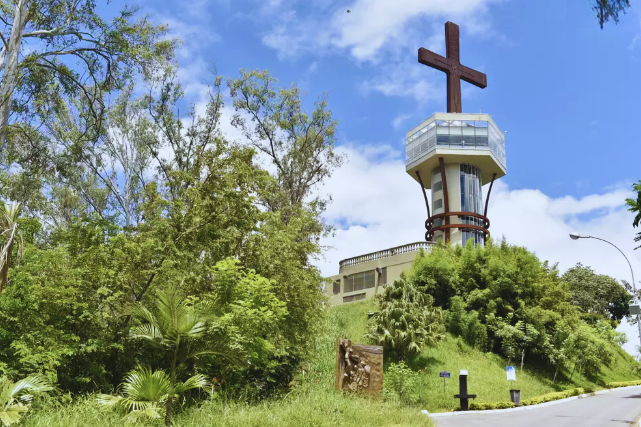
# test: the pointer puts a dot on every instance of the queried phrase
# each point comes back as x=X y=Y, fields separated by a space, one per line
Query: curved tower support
x=427 y=204
x=446 y=200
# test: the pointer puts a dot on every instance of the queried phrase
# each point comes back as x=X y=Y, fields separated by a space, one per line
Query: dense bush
x=502 y=298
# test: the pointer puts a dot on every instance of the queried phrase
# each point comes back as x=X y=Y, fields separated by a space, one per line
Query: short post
x=463 y=396
x=444 y=374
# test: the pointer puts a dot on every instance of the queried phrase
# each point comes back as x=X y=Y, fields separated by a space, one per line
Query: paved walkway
x=617 y=408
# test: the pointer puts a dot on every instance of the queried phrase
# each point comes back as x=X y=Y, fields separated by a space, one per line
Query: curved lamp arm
x=634 y=287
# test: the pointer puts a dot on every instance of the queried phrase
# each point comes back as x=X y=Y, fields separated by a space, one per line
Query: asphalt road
x=617 y=408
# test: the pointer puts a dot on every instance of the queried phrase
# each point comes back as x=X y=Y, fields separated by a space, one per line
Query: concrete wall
x=395 y=264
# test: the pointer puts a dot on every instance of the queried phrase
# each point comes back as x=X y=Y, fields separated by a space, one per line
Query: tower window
x=438 y=204
x=438 y=186
x=337 y=288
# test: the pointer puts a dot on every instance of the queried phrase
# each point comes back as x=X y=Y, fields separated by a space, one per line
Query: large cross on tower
x=451 y=65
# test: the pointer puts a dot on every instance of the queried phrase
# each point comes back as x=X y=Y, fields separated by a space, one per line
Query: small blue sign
x=511 y=373
x=444 y=374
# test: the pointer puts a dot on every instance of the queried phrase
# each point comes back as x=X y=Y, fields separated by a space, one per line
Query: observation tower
x=455 y=153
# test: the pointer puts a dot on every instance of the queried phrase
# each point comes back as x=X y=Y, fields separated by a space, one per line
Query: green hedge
x=548 y=397
x=622 y=384
x=554 y=396
x=532 y=401
x=492 y=405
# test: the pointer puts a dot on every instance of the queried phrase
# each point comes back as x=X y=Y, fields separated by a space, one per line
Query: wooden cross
x=451 y=65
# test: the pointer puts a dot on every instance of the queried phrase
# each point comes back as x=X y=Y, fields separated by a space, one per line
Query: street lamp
x=634 y=309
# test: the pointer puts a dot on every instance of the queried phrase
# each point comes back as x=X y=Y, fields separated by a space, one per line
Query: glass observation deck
x=481 y=134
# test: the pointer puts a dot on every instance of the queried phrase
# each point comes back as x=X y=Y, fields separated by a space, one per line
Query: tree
x=11 y=238
x=178 y=329
x=609 y=9
x=635 y=206
x=16 y=397
x=143 y=391
x=596 y=294
x=555 y=347
x=64 y=50
x=299 y=145
x=587 y=349
x=406 y=320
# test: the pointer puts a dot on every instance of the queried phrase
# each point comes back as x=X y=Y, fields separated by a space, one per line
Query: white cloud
x=380 y=206
x=398 y=121
x=379 y=31
x=371 y=25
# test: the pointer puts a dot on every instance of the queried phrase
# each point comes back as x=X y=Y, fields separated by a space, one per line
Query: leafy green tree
x=596 y=294
x=11 y=237
x=59 y=61
x=143 y=392
x=406 y=320
x=555 y=348
x=609 y=9
x=299 y=145
x=588 y=350
x=635 y=207
x=178 y=329
x=16 y=397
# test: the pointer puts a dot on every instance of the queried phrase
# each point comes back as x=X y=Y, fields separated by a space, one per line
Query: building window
x=360 y=281
x=471 y=201
x=438 y=186
x=356 y=297
x=436 y=171
x=337 y=287
x=382 y=279
x=438 y=204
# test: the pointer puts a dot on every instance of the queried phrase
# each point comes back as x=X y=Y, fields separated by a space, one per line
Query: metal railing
x=374 y=256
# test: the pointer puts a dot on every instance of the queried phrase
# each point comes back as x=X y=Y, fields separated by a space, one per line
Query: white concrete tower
x=454 y=154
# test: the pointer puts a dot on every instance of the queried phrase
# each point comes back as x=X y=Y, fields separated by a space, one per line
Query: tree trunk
x=10 y=76
x=573 y=371
x=522 y=357
x=555 y=372
x=4 y=271
x=168 y=411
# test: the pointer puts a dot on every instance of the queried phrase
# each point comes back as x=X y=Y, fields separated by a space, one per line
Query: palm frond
x=197 y=381
x=148 y=332
x=151 y=412
x=11 y=414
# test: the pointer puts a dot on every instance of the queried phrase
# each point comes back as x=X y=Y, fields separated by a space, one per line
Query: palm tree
x=16 y=397
x=177 y=328
x=11 y=236
x=407 y=319
x=144 y=391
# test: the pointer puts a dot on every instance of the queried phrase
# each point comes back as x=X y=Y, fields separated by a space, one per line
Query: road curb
x=525 y=408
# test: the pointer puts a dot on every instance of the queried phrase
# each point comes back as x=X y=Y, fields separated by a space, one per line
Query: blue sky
x=562 y=87
x=566 y=92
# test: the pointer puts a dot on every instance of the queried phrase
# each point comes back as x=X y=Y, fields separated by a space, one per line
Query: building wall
x=452 y=175
x=395 y=263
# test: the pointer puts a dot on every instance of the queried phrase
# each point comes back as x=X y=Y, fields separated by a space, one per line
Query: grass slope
x=487 y=377
x=313 y=402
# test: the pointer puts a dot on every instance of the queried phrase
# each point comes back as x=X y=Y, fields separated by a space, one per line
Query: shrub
x=400 y=381
x=553 y=396
x=622 y=384
x=490 y=405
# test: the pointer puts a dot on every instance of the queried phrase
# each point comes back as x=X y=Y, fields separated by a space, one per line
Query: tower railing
x=374 y=256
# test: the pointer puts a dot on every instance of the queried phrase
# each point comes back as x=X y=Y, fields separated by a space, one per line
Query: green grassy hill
x=313 y=401
x=487 y=376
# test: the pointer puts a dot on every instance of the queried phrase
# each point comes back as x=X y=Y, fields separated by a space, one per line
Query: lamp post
x=577 y=236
